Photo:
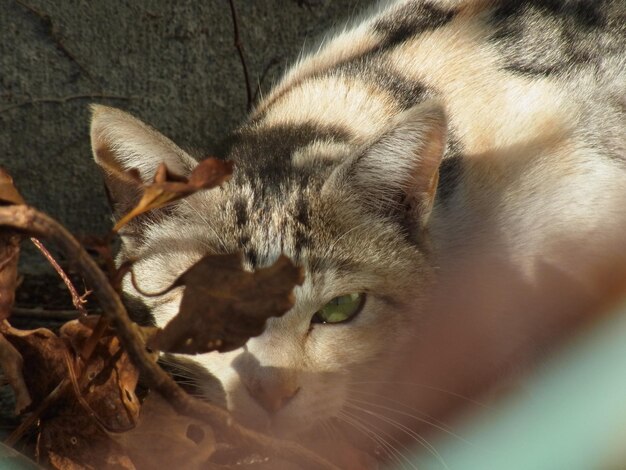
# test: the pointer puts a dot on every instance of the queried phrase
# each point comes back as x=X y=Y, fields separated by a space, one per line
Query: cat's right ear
x=397 y=173
x=121 y=142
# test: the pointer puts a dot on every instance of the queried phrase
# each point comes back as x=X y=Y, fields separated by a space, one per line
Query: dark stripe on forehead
x=302 y=229
x=241 y=211
x=263 y=155
x=409 y=20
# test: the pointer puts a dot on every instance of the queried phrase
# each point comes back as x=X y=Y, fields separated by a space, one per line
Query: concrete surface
x=171 y=63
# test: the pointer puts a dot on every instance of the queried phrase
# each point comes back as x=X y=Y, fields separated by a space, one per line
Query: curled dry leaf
x=103 y=399
x=223 y=305
x=73 y=441
x=8 y=193
x=9 y=256
x=167 y=187
x=165 y=439
x=44 y=353
x=9 y=247
x=109 y=378
x=11 y=363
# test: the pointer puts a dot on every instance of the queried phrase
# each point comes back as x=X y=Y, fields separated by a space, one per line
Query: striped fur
x=425 y=130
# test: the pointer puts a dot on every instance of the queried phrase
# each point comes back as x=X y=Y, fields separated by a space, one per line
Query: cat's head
x=352 y=213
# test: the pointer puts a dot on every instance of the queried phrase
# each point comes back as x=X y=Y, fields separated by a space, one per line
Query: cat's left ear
x=400 y=169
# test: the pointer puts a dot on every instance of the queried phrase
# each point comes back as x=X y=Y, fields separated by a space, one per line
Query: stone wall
x=171 y=63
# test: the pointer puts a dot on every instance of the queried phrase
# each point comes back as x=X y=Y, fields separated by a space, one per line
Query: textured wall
x=171 y=63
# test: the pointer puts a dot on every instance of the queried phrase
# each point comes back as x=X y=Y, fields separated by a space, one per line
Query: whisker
x=422 y=417
x=333 y=429
x=429 y=387
x=389 y=448
x=421 y=440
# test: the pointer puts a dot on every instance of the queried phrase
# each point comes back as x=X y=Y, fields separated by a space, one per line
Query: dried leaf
x=111 y=378
x=168 y=187
x=73 y=441
x=72 y=433
x=9 y=248
x=223 y=305
x=8 y=193
x=164 y=439
x=44 y=354
x=11 y=362
x=9 y=256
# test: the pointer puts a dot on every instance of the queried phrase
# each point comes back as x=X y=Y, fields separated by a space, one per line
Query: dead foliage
x=168 y=187
x=78 y=388
x=223 y=305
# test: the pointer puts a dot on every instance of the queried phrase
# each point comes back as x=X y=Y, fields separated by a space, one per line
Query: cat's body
x=518 y=107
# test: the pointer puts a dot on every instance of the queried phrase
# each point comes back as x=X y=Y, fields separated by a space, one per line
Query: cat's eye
x=340 y=309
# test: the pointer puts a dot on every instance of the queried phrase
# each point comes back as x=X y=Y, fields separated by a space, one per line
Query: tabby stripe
x=407 y=21
x=386 y=31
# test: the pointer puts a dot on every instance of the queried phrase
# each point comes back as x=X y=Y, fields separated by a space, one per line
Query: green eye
x=340 y=309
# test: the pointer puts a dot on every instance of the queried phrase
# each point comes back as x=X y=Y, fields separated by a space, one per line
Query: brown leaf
x=110 y=379
x=72 y=433
x=43 y=354
x=11 y=362
x=73 y=441
x=168 y=187
x=9 y=256
x=164 y=439
x=223 y=305
x=8 y=193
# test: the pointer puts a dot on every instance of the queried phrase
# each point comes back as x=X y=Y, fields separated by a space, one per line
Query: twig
x=11 y=364
x=32 y=418
x=41 y=314
x=77 y=300
x=239 y=46
x=64 y=99
x=38 y=224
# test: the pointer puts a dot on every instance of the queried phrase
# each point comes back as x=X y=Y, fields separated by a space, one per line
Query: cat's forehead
x=263 y=221
x=324 y=233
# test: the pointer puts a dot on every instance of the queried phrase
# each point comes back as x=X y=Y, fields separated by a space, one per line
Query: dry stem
x=239 y=46
x=38 y=224
x=77 y=300
x=40 y=313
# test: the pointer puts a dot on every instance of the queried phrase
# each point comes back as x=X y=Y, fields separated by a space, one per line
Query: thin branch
x=78 y=300
x=239 y=46
x=41 y=314
x=11 y=364
x=65 y=99
x=33 y=417
x=40 y=225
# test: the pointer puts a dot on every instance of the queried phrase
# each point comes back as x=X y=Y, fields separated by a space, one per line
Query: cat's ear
x=399 y=171
x=121 y=142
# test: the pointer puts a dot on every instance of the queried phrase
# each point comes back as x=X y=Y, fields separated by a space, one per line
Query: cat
x=437 y=166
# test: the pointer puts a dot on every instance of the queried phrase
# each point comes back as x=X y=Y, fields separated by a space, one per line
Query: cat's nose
x=273 y=398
